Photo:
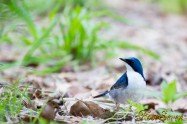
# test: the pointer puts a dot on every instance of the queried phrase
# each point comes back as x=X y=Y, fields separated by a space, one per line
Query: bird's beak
x=122 y=59
x=125 y=60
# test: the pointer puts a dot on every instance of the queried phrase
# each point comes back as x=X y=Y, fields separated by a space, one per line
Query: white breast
x=134 y=90
x=135 y=80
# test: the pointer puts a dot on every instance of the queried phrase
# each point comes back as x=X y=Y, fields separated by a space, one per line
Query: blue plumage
x=130 y=85
x=102 y=94
x=135 y=64
x=122 y=82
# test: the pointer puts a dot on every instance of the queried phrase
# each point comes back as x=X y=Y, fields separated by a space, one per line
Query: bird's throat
x=128 y=67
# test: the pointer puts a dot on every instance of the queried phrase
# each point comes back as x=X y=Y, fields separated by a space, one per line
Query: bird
x=130 y=85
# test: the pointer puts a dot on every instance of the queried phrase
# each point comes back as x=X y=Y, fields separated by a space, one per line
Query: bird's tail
x=102 y=94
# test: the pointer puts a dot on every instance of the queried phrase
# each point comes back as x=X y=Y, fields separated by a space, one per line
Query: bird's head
x=135 y=64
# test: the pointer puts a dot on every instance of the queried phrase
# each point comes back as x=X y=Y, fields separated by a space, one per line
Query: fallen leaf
x=150 y=105
x=85 y=108
x=50 y=110
x=181 y=110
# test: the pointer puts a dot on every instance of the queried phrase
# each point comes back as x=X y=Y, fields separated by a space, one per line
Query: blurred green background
x=60 y=32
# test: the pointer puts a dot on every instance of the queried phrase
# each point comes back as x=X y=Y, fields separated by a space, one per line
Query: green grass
x=35 y=5
x=11 y=105
x=80 y=34
x=11 y=101
x=72 y=35
x=174 y=6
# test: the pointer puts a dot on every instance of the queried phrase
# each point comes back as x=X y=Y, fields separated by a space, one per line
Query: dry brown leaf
x=150 y=105
x=181 y=110
x=85 y=108
x=26 y=103
x=50 y=110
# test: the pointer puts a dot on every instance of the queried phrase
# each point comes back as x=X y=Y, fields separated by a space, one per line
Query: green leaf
x=20 y=9
x=139 y=107
x=127 y=45
x=39 y=41
x=179 y=95
x=168 y=91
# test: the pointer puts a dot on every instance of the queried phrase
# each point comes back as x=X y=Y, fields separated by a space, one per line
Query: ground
x=149 y=27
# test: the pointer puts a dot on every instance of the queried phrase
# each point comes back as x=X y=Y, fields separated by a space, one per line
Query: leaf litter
x=67 y=96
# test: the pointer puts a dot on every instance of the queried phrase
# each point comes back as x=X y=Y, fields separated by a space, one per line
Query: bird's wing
x=102 y=94
x=122 y=82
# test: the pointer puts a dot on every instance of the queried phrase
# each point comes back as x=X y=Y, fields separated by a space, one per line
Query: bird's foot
x=133 y=119
x=133 y=115
x=117 y=106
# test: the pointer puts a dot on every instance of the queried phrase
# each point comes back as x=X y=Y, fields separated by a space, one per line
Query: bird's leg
x=132 y=115
x=117 y=106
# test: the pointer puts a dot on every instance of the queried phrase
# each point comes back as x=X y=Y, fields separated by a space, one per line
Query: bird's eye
x=132 y=62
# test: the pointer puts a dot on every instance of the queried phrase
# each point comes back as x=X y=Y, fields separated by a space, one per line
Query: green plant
x=87 y=121
x=113 y=44
x=138 y=106
x=168 y=93
x=79 y=40
x=11 y=101
x=6 y=17
x=35 y=36
x=175 y=6
x=35 y=5
x=176 y=122
x=79 y=34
